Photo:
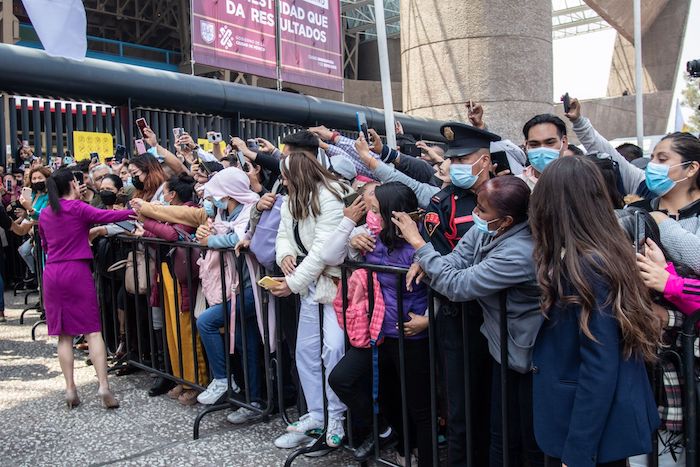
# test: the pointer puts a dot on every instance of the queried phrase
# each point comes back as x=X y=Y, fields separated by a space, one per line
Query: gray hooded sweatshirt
x=479 y=268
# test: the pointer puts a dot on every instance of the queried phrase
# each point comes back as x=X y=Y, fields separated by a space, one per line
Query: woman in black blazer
x=592 y=402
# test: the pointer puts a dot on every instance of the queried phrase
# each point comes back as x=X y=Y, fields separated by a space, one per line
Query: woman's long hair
x=393 y=197
x=576 y=232
x=58 y=186
x=305 y=176
x=153 y=173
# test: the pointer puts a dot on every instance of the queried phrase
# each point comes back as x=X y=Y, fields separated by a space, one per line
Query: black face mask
x=20 y=182
x=39 y=187
x=108 y=198
x=138 y=184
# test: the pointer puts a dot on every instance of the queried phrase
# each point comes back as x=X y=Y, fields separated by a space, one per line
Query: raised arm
x=186 y=215
x=102 y=216
x=593 y=141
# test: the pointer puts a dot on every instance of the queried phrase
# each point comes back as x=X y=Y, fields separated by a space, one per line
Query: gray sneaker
x=243 y=415
x=291 y=440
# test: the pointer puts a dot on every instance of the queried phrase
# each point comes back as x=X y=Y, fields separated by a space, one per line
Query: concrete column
x=497 y=52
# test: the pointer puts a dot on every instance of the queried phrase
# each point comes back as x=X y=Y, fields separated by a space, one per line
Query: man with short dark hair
x=545 y=141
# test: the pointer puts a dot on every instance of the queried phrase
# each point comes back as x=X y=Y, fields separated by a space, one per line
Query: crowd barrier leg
x=344 y=287
x=40 y=261
x=504 y=378
x=402 y=374
x=227 y=351
x=320 y=443
x=279 y=370
x=38 y=306
x=469 y=442
x=269 y=385
x=433 y=377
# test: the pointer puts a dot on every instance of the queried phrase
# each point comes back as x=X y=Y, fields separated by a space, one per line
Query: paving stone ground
x=37 y=429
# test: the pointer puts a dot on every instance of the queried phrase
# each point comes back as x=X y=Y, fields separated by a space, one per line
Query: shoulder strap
x=298 y=241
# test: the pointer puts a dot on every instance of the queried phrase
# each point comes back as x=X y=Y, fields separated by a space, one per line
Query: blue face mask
x=462 y=175
x=657 y=178
x=220 y=203
x=483 y=225
x=209 y=208
x=128 y=182
x=540 y=158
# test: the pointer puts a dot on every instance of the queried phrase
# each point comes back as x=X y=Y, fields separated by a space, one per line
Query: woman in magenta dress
x=69 y=291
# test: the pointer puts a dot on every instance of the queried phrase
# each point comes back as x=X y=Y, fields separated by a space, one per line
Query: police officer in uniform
x=448 y=217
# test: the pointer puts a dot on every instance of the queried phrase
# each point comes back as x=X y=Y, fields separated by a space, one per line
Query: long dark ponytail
x=58 y=185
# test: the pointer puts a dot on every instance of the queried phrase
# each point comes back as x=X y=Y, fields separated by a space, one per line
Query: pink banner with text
x=311 y=49
x=240 y=35
x=235 y=35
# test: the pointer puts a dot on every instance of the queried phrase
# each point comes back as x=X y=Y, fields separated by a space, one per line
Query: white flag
x=61 y=26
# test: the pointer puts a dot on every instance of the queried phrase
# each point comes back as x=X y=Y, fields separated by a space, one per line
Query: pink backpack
x=210 y=275
x=361 y=331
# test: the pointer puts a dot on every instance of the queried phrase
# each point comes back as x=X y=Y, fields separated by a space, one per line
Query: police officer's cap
x=464 y=139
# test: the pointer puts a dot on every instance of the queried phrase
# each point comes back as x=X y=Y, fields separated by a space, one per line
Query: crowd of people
x=592 y=253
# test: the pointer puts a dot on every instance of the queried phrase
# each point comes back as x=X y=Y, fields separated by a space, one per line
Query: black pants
x=351 y=379
x=451 y=332
x=417 y=360
x=622 y=463
x=522 y=446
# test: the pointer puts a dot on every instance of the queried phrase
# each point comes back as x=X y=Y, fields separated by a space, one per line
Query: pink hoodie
x=684 y=293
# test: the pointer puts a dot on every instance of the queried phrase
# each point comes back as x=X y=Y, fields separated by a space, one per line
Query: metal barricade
x=39 y=261
x=139 y=332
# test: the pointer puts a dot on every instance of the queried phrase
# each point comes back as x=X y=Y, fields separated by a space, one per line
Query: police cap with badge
x=464 y=139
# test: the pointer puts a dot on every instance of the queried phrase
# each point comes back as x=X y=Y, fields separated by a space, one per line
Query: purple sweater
x=64 y=235
x=415 y=302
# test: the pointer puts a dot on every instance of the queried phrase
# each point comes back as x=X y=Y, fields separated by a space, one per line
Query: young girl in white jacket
x=310 y=215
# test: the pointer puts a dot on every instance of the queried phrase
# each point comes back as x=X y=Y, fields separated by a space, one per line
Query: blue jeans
x=208 y=325
x=26 y=251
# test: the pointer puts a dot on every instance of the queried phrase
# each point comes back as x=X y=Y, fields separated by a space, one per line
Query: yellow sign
x=205 y=144
x=85 y=142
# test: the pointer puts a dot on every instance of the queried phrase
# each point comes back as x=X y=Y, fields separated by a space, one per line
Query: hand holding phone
x=140 y=146
x=141 y=124
x=640 y=230
x=500 y=158
x=128 y=226
x=214 y=137
x=362 y=124
x=268 y=282
x=566 y=100
x=79 y=177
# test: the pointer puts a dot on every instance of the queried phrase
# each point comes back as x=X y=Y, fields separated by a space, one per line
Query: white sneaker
x=306 y=423
x=292 y=440
x=243 y=415
x=215 y=391
x=335 y=432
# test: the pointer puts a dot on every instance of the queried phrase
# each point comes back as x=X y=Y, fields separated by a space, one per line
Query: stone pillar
x=496 y=52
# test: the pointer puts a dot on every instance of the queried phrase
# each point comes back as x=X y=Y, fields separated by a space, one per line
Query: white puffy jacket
x=313 y=232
